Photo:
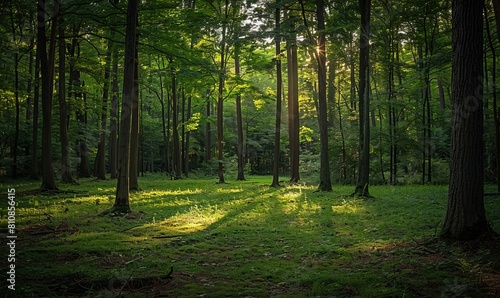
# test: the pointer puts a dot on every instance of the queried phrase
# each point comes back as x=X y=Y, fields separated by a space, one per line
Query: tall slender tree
x=47 y=69
x=66 y=175
x=325 y=183
x=239 y=122
x=293 y=100
x=364 y=101
x=100 y=168
x=279 y=87
x=122 y=200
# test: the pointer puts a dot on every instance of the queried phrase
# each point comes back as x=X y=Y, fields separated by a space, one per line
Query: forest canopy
x=349 y=92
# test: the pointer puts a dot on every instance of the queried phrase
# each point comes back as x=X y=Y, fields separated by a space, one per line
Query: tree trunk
x=239 y=123
x=66 y=176
x=122 y=200
x=188 y=136
x=208 y=132
x=465 y=216
x=47 y=66
x=113 y=119
x=293 y=106
x=134 y=137
x=364 y=102
x=34 y=131
x=100 y=172
x=325 y=183
x=14 y=148
x=175 y=127
x=279 y=87
x=83 y=147
x=496 y=116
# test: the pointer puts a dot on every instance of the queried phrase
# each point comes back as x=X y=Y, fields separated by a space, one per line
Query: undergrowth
x=195 y=238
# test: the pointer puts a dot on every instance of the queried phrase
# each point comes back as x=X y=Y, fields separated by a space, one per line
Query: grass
x=245 y=239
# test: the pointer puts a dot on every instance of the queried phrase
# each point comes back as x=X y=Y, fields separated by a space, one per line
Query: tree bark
x=279 y=87
x=325 y=183
x=364 y=102
x=465 y=216
x=122 y=200
x=293 y=105
x=66 y=176
x=239 y=123
x=175 y=130
x=34 y=132
x=134 y=136
x=113 y=119
x=208 y=132
x=47 y=68
x=100 y=172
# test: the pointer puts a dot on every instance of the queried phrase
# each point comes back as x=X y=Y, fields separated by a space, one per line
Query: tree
x=364 y=102
x=325 y=183
x=113 y=115
x=66 y=175
x=122 y=200
x=100 y=168
x=239 y=122
x=279 y=82
x=465 y=216
x=293 y=101
x=47 y=70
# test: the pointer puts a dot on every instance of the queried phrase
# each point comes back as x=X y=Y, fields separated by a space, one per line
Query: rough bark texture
x=465 y=216
x=364 y=102
x=122 y=200
x=325 y=183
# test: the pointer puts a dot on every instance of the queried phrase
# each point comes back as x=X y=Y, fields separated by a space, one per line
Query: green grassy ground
x=244 y=239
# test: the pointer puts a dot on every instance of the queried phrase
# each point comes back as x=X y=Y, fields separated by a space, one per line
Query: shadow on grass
x=247 y=239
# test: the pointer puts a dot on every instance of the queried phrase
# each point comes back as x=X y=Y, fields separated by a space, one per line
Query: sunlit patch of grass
x=243 y=238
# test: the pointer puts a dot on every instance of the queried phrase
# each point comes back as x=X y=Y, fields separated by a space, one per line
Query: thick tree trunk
x=122 y=200
x=325 y=183
x=364 y=102
x=496 y=116
x=465 y=217
x=47 y=66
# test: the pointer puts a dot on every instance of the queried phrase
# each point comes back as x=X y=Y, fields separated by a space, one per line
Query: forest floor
x=196 y=238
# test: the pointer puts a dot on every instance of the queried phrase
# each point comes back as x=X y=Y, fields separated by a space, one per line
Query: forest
x=253 y=148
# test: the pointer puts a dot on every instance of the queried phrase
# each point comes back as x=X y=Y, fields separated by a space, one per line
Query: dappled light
x=247 y=235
